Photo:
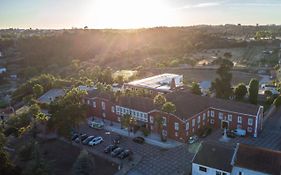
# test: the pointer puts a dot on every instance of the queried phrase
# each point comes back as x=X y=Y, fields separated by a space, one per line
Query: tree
x=37 y=165
x=68 y=112
x=195 y=88
x=159 y=122
x=37 y=90
x=129 y=122
x=159 y=100
x=84 y=165
x=277 y=101
x=253 y=91
x=169 y=107
x=240 y=91
x=222 y=85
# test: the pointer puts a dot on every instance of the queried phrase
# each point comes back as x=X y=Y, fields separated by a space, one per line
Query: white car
x=95 y=141
x=240 y=132
x=193 y=139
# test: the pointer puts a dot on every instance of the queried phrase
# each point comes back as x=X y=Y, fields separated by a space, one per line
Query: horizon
x=136 y=14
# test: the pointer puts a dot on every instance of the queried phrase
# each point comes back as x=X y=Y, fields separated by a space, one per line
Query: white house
x=219 y=159
x=212 y=159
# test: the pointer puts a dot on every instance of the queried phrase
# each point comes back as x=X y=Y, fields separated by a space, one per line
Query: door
x=224 y=124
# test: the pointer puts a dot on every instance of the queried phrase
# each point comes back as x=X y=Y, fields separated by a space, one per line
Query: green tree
x=159 y=124
x=240 y=91
x=128 y=122
x=253 y=91
x=195 y=88
x=68 y=112
x=38 y=90
x=277 y=101
x=159 y=100
x=169 y=107
x=222 y=85
x=84 y=165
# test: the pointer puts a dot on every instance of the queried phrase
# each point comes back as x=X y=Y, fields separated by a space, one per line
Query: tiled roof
x=188 y=104
x=138 y=103
x=258 y=159
x=214 y=155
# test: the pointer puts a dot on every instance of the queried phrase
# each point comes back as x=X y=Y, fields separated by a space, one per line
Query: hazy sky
x=135 y=13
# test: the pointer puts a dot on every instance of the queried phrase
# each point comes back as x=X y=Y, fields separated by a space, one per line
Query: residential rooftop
x=51 y=95
x=258 y=159
x=214 y=155
x=159 y=82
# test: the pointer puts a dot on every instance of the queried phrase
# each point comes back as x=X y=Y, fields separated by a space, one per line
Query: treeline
x=115 y=47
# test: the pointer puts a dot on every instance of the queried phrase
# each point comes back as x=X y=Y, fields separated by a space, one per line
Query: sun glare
x=130 y=13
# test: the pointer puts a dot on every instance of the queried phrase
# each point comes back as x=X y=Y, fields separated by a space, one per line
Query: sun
x=129 y=13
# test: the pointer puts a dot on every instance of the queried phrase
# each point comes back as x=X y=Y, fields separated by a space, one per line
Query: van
x=239 y=132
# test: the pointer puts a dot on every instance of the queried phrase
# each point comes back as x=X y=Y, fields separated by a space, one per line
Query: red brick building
x=193 y=113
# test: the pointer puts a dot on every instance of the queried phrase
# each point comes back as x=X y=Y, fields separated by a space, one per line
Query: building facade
x=186 y=122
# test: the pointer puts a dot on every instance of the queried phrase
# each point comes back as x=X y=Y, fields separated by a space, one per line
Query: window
x=212 y=113
x=250 y=121
x=164 y=121
x=176 y=134
x=151 y=127
x=151 y=119
x=218 y=173
x=229 y=117
x=204 y=116
x=202 y=169
x=220 y=115
x=193 y=122
x=103 y=115
x=239 y=120
x=112 y=109
x=94 y=104
x=212 y=121
x=208 y=113
x=176 y=126
x=241 y=173
x=103 y=105
x=249 y=129
x=88 y=102
x=223 y=173
x=198 y=119
x=187 y=126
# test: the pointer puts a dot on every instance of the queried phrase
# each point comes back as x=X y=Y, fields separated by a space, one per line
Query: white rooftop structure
x=159 y=82
x=51 y=95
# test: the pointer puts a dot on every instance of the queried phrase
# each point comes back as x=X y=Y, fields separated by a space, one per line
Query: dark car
x=116 y=152
x=116 y=140
x=110 y=148
x=138 y=140
x=88 y=139
x=74 y=136
x=124 y=154
x=82 y=137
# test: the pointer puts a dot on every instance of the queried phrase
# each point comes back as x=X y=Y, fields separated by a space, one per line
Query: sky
x=63 y=14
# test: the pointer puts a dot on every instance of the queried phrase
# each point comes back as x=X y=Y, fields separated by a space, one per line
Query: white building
x=219 y=159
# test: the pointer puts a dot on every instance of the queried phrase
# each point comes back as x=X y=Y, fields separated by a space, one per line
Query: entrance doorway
x=224 y=124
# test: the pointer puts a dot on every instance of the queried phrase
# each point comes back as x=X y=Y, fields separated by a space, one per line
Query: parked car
x=88 y=139
x=74 y=136
x=116 y=152
x=117 y=139
x=95 y=141
x=240 y=132
x=110 y=148
x=192 y=139
x=124 y=154
x=96 y=125
x=139 y=140
x=230 y=134
x=82 y=137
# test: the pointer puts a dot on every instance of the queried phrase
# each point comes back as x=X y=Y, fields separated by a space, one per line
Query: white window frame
x=103 y=105
x=164 y=121
x=151 y=119
x=239 y=119
x=250 y=121
x=249 y=129
x=112 y=109
x=198 y=119
x=187 y=125
x=193 y=122
x=176 y=126
x=212 y=113
x=88 y=102
x=212 y=121
x=229 y=117
x=204 y=116
x=220 y=115
x=94 y=104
